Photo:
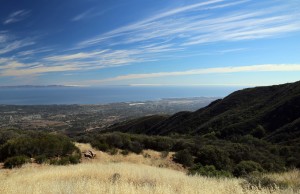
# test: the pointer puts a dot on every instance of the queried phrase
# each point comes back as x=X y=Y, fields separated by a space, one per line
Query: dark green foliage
x=41 y=159
x=184 y=157
x=292 y=162
x=16 y=161
x=139 y=125
x=259 y=181
x=136 y=147
x=211 y=155
x=259 y=131
x=264 y=112
x=209 y=171
x=224 y=155
x=113 y=151
x=40 y=146
x=247 y=167
x=7 y=134
x=124 y=152
x=74 y=159
x=159 y=144
x=37 y=144
x=100 y=145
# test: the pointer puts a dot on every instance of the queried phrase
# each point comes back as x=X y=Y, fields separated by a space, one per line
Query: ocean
x=105 y=95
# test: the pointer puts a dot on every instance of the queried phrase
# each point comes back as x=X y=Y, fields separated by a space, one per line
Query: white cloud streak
x=196 y=25
x=13 y=68
x=9 y=43
x=112 y=58
x=16 y=16
x=14 y=45
x=90 y=13
x=34 y=51
x=82 y=15
x=218 y=70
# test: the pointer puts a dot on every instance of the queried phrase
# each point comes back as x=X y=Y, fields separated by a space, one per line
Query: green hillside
x=270 y=113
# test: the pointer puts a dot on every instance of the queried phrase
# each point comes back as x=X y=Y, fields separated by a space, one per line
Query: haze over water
x=104 y=95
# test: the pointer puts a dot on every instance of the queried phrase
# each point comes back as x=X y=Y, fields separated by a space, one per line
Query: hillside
x=121 y=177
x=271 y=113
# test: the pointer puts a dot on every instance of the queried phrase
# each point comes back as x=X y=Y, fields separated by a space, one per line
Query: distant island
x=36 y=86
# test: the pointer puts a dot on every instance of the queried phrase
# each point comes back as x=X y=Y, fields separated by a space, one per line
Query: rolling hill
x=271 y=113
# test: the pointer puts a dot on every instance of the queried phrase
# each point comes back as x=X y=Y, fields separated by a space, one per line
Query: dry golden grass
x=113 y=178
x=154 y=159
x=117 y=175
x=291 y=178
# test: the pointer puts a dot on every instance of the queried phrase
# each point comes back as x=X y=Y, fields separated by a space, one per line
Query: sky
x=149 y=42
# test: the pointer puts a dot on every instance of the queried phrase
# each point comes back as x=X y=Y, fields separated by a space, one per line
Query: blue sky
x=146 y=42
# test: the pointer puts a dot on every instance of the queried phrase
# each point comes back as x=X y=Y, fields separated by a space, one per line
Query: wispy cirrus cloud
x=9 y=43
x=34 y=51
x=197 y=24
x=13 y=68
x=3 y=37
x=82 y=15
x=16 y=16
x=169 y=33
x=14 y=45
x=172 y=31
x=113 y=57
x=90 y=13
x=140 y=25
x=218 y=70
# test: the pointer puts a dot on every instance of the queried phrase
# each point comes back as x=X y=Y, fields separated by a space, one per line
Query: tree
x=184 y=157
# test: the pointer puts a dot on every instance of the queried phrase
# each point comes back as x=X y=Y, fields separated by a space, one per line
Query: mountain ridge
x=275 y=109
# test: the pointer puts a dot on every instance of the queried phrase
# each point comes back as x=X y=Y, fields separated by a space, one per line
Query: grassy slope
x=118 y=174
x=102 y=178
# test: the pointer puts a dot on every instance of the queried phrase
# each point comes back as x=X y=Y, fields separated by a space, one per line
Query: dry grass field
x=149 y=157
x=118 y=174
x=114 y=178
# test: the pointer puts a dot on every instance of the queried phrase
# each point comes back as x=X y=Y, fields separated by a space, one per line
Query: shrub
x=113 y=151
x=184 y=157
x=209 y=171
x=65 y=160
x=54 y=161
x=124 y=152
x=60 y=161
x=247 y=167
x=260 y=181
x=114 y=140
x=36 y=144
x=16 y=161
x=136 y=147
x=292 y=162
x=100 y=146
x=74 y=159
x=164 y=154
x=41 y=159
x=211 y=155
x=258 y=132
